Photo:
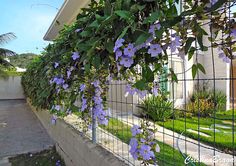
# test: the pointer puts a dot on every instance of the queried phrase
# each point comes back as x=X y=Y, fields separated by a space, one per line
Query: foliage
x=4 y=64
x=114 y=39
x=38 y=91
x=22 y=60
x=158 y=108
x=212 y=96
x=201 y=108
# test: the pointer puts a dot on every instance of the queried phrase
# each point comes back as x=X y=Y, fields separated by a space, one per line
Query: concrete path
x=20 y=130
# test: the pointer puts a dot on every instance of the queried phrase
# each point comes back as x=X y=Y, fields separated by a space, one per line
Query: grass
x=223 y=139
x=167 y=156
x=45 y=158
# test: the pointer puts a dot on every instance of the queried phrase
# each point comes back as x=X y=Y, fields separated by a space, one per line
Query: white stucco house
x=183 y=90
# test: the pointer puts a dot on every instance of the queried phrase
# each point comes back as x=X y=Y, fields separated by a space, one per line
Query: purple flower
x=146 y=153
x=82 y=87
x=153 y=28
x=154 y=50
x=135 y=130
x=233 y=33
x=58 y=163
x=53 y=119
x=57 y=107
x=224 y=57
x=78 y=30
x=65 y=86
x=175 y=43
x=130 y=90
x=129 y=50
x=118 y=53
x=126 y=61
x=141 y=94
x=56 y=64
x=96 y=83
x=84 y=104
x=68 y=72
x=133 y=145
x=118 y=44
x=58 y=80
x=75 y=56
x=213 y=1
x=155 y=91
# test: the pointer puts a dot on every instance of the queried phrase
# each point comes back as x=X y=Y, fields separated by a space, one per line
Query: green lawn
x=167 y=156
x=223 y=139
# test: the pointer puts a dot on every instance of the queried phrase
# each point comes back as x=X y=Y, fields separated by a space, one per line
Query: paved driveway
x=20 y=130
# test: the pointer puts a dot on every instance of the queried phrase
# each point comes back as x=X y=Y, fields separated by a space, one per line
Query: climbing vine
x=126 y=40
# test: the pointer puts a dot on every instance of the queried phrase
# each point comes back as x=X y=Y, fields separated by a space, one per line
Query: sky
x=29 y=20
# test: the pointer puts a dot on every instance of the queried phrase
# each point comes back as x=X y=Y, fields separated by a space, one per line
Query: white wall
x=10 y=88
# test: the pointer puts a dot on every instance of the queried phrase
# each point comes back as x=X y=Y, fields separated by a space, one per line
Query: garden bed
x=47 y=157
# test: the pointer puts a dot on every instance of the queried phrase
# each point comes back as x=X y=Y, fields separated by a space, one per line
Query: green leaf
x=109 y=46
x=123 y=14
x=96 y=61
x=123 y=32
x=153 y=17
x=201 y=68
x=148 y=74
x=194 y=70
x=191 y=52
x=142 y=38
x=188 y=44
x=107 y=8
x=141 y=84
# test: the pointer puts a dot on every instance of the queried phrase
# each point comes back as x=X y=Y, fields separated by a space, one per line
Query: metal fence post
x=94 y=135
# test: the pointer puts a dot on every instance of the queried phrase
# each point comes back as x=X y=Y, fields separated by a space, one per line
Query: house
x=217 y=72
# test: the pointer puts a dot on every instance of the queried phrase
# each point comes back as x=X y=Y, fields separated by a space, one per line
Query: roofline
x=54 y=21
x=66 y=15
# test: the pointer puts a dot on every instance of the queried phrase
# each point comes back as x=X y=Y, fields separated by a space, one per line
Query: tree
x=5 y=38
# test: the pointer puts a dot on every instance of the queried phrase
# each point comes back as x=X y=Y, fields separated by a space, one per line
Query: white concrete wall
x=75 y=149
x=10 y=88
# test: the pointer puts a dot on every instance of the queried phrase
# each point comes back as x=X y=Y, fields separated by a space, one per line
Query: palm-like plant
x=5 y=38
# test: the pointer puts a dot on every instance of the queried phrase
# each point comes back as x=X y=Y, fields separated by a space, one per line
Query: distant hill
x=22 y=60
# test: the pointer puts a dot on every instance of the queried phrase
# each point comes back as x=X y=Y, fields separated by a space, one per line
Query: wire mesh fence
x=194 y=118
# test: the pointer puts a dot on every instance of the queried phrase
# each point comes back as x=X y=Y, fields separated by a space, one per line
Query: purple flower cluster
x=155 y=91
x=126 y=59
x=131 y=91
x=175 y=43
x=82 y=87
x=56 y=64
x=84 y=103
x=75 y=55
x=98 y=109
x=143 y=145
x=153 y=28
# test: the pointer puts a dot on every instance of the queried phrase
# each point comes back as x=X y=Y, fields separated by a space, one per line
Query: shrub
x=201 y=107
x=203 y=103
x=217 y=97
x=157 y=108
